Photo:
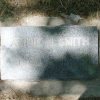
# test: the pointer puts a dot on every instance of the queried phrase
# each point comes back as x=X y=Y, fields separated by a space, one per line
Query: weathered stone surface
x=58 y=52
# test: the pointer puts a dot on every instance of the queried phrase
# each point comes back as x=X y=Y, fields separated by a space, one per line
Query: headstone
x=45 y=52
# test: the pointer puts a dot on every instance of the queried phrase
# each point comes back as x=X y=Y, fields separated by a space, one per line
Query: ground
x=38 y=12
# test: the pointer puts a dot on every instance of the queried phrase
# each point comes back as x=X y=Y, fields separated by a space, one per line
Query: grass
x=6 y=10
x=84 y=8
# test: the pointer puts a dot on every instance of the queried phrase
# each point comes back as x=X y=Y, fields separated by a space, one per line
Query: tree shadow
x=61 y=86
x=59 y=73
x=49 y=8
x=68 y=67
x=59 y=77
x=66 y=76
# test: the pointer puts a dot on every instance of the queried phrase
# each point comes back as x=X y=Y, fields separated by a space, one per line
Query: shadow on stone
x=53 y=69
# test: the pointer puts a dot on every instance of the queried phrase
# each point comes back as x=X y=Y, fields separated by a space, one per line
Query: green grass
x=6 y=10
x=84 y=8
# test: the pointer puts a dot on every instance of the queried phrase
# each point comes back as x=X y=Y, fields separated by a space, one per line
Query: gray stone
x=58 y=52
x=75 y=18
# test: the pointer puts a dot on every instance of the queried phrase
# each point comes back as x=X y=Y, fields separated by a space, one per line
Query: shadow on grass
x=49 y=8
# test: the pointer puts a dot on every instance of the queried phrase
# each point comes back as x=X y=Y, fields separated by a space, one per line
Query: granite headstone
x=46 y=52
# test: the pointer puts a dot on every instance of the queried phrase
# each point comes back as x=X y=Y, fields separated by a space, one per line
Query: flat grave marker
x=46 y=52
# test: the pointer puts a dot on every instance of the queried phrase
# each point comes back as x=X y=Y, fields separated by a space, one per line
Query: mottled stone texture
x=58 y=52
